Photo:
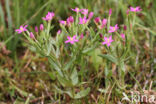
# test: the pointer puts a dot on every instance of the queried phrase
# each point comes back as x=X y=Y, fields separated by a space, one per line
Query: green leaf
x=52 y=42
x=70 y=94
x=7 y=2
x=122 y=66
x=2 y=18
x=49 y=47
x=57 y=53
x=64 y=82
x=69 y=64
x=96 y=60
x=52 y=75
x=57 y=89
x=17 y=102
x=87 y=50
x=74 y=77
x=82 y=93
x=103 y=90
x=55 y=66
x=110 y=58
x=92 y=33
x=79 y=95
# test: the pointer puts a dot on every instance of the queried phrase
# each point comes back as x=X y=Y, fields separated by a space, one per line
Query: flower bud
x=59 y=32
x=70 y=20
x=125 y=27
x=122 y=36
x=62 y=22
x=36 y=29
x=97 y=19
x=32 y=35
x=127 y=12
x=81 y=36
x=90 y=15
x=41 y=27
x=110 y=12
x=101 y=36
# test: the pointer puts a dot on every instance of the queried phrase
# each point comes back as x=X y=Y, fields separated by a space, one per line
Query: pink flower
x=84 y=11
x=36 y=29
x=59 y=32
x=113 y=29
x=123 y=36
x=137 y=9
x=21 y=29
x=62 y=22
x=41 y=27
x=108 y=41
x=82 y=20
x=97 y=19
x=70 y=20
x=81 y=36
x=76 y=10
x=32 y=35
x=71 y=40
x=110 y=12
x=90 y=15
x=104 y=22
x=49 y=16
x=127 y=12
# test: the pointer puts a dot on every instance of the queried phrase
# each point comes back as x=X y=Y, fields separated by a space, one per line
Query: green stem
x=121 y=71
x=106 y=74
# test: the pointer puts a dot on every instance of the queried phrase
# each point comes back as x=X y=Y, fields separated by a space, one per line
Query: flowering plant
x=68 y=53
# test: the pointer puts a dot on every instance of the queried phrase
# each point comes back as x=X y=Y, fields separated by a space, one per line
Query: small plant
x=69 y=51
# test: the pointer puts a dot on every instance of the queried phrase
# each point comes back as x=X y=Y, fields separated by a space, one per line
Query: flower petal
x=67 y=41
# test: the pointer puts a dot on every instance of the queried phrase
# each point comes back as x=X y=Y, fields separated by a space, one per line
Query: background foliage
x=23 y=72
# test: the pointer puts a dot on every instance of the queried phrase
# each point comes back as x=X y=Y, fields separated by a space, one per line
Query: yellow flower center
x=84 y=21
x=108 y=40
x=77 y=9
x=21 y=28
x=71 y=39
x=114 y=28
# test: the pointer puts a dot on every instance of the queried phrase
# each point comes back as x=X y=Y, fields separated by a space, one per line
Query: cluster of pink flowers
x=41 y=28
x=100 y=23
x=23 y=29
x=84 y=11
x=82 y=20
x=68 y=22
x=49 y=16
